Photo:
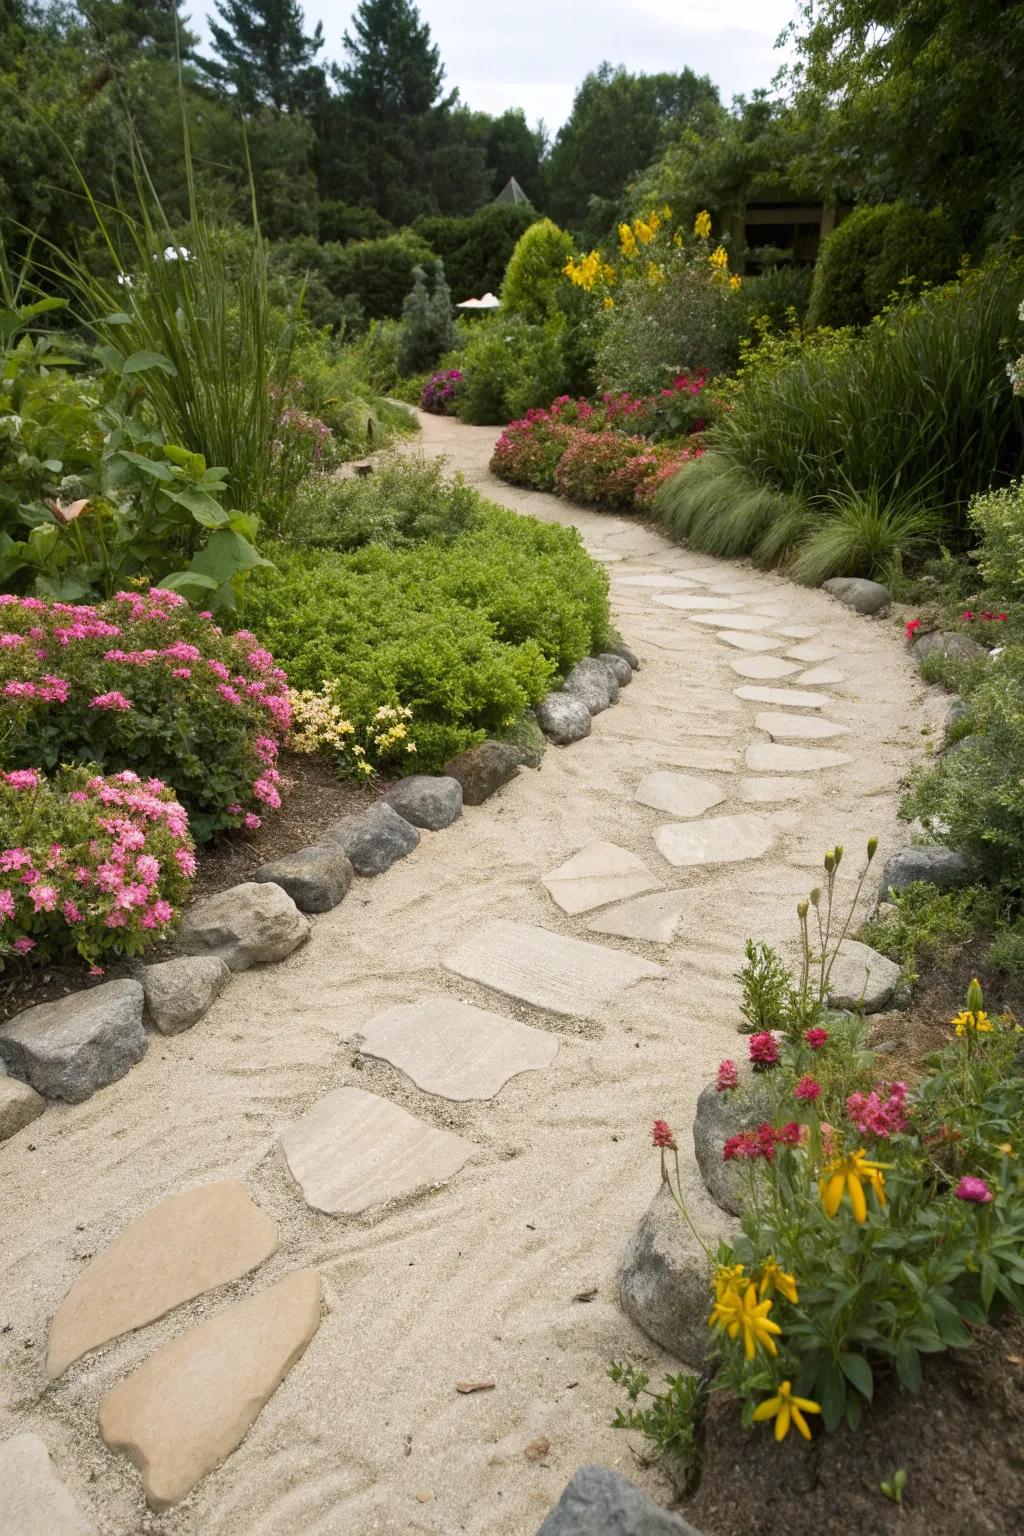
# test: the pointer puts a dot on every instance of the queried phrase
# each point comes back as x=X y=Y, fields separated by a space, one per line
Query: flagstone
x=744 y=621
x=749 y=642
x=564 y=975
x=188 y=1244
x=821 y=677
x=654 y=918
x=686 y=603
x=652 y=579
x=812 y=651
x=182 y=1413
x=782 y=727
x=353 y=1151
x=793 y=698
x=33 y=1500
x=764 y=666
x=678 y=793
x=767 y=791
x=799 y=631
x=772 y=757
x=455 y=1050
x=720 y=840
x=596 y=876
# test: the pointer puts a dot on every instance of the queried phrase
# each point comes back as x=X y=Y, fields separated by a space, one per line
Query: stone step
x=678 y=793
x=596 y=876
x=454 y=1050
x=566 y=976
x=722 y=840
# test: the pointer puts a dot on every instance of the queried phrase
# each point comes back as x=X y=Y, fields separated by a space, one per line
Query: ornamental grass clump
x=89 y=865
x=145 y=683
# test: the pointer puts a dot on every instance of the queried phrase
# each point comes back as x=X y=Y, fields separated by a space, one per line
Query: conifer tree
x=264 y=53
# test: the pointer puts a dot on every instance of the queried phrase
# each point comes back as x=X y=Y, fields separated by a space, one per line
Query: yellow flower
x=627 y=241
x=719 y=258
x=774 y=1278
x=645 y=232
x=848 y=1175
x=728 y=1277
x=702 y=224
x=747 y=1317
x=1006 y=1148
x=655 y=274
x=735 y=282
x=968 y=1023
x=666 y=211
x=786 y=1409
x=609 y=302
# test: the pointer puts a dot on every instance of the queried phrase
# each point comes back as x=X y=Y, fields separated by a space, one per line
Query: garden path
x=767 y=722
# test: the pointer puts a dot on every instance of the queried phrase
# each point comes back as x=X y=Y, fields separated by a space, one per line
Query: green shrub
x=147 y=684
x=863 y=533
x=328 y=384
x=778 y=295
x=534 y=277
x=405 y=501
x=90 y=865
x=369 y=278
x=427 y=328
x=877 y=252
x=476 y=248
x=925 y=921
x=998 y=515
x=342 y=222
x=509 y=366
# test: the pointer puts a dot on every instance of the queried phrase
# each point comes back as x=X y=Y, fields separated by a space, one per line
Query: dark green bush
x=350 y=221
x=367 y=279
x=476 y=248
x=509 y=366
x=427 y=326
x=872 y=254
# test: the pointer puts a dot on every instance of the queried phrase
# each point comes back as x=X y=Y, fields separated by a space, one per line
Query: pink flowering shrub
x=145 y=683
x=441 y=392
x=89 y=865
x=528 y=451
x=605 y=469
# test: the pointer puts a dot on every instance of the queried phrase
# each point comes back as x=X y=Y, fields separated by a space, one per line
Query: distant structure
x=512 y=192
x=777 y=221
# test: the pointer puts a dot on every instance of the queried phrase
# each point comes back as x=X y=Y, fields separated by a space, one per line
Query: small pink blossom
x=22 y=778
x=816 y=1038
x=23 y=945
x=112 y=700
x=807 y=1089
x=252 y=822
x=973 y=1190
x=728 y=1076
x=763 y=1050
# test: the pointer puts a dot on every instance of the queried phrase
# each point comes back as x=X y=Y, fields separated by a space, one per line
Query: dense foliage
x=875 y=256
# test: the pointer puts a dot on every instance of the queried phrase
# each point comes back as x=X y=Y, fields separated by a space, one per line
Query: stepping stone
x=536 y=966
x=768 y=791
x=652 y=579
x=599 y=874
x=715 y=604
x=655 y=919
x=722 y=840
x=812 y=651
x=744 y=621
x=178 y=1249
x=770 y=757
x=744 y=642
x=799 y=631
x=182 y=1413
x=763 y=666
x=33 y=1500
x=782 y=727
x=792 y=697
x=705 y=573
x=678 y=793
x=454 y=1050
x=822 y=677
x=353 y=1151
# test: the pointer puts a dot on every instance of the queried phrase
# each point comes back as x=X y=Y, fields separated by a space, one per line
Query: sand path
x=475 y=1279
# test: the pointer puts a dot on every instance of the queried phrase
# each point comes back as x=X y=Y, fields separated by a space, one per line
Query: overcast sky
x=533 y=54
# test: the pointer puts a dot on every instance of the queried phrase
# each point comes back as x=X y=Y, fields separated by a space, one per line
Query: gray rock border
x=320 y=875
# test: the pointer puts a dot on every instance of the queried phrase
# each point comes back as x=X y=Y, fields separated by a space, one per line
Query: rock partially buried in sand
x=600 y=1502
x=620 y=667
x=719 y=1116
x=942 y=867
x=179 y=992
x=182 y=1413
x=620 y=648
x=528 y=740
x=594 y=683
x=482 y=770
x=563 y=718
x=951 y=647
x=19 y=1106
x=33 y=1500
x=176 y=1250
x=861 y=978
x=69 y=1048
x=250 y=924
x=316 y=878
x=374 y=839
x=860 y=594
x=427 y=800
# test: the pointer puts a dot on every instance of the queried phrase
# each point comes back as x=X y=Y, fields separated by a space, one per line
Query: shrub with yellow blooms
x=320 y=724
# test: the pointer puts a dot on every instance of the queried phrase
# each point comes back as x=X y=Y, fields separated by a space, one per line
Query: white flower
x=125 y=280
x=176 y=253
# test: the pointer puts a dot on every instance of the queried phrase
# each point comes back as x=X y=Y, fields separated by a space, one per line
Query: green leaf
x=833 y=1396
x=154 y=467
x=190 y=584
x=225 y=554
x=857 y=1371
x=117 y=317
x=908 y=1367
x=194 y=463
x=140 y=361
x=203 y=508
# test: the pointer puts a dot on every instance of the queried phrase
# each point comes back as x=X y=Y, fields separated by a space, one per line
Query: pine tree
x=394 y=70
x=264 y=54
x=125 y=29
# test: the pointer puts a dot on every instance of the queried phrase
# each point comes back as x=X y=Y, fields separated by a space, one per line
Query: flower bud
x=830 y=863
x=837 y=854
x=815 y=896
x=872 y=848
x=801 y=910
x=975 y=1000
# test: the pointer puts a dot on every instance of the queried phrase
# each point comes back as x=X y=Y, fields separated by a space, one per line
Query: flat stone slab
x=775 y=757
x=782 y=727
x=744 y=642
x=69 y=1048
x=655 y=918
x=792 y=698
x=721 y=840
x=178 y=1249
x=455 y=1050
x=33 y=1500
x=566 y=976
x=798 y=631
x=599 y=874
x=821 y=677
x=764 y=666
x=182 y=1413
x=353 y=1151
x=768 y=791
x=861 y=978
x=723 y=620
x=709 y=604
x=19 y=1106
x=678 y=793
x=652 y=579
x=812 y=651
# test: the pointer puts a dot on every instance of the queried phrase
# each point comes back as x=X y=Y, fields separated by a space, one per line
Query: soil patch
x=961 y=1445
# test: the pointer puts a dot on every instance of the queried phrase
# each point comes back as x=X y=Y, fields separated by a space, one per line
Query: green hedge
x=872 y=254
x=476 y=248
x=351 y=284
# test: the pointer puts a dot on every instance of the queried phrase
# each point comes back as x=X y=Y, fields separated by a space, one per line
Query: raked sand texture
x=475 y=1279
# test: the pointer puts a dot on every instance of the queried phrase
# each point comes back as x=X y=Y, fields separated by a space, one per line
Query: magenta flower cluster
x=880 y=1113
x=441 y=391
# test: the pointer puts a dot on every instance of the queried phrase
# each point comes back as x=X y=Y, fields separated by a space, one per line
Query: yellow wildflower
x=848 y=1175
x=735 y=282
x=1006 y=1148
x=747 y=1317
x=627 y=241
x=655 y=274
x=774 y=1278
x=702 y=224
x=719 y=258
x=644 y=231
x=786 y=1409
x=609 y=302
x=728 y=1277
x=666 y=212
x=969 y=1023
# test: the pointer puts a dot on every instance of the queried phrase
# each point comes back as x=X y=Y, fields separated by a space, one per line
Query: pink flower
x=112 y=700
x=808 y=1089
x=6 y=904
x=22 y=778
x=219 y=670
x=71 y=912
x=186 y=861
x=43 y=897
x=662 y=1136
x=162 y=911
x=788 y=1135
x=974 y=1190
x=265 y=790
x=23 y=945
x=147 y=868
x=728 y=1076
x=14 y=858
x=764 y=1050
x=816 y=1038
x=96 y=970
x=875 y=1116
x=181 y=672
x=750 y=1145
x=252 y=823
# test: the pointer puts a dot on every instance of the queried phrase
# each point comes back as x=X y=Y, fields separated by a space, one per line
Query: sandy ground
x=477 y=1279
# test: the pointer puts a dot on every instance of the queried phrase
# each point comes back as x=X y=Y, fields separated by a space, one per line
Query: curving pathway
x=500 y=1018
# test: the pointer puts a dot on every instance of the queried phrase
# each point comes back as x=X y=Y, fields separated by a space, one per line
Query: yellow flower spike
x=786 y=1409
x=735 y=282
x=719 y=258
x=968 y=1023
x=848 y=1175
x=774 y=1278
x=627 y=240
x=702 y=224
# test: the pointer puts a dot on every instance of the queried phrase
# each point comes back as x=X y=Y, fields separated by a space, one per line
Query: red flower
x=973 y=1189
x=968 y=615
x=750 y=1145
x=663 y=1136
x=764 y=1050
x=911 y=628
x=816 y=1038
x=728 y=1076
x=808 y=1088
x=788 y=1135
